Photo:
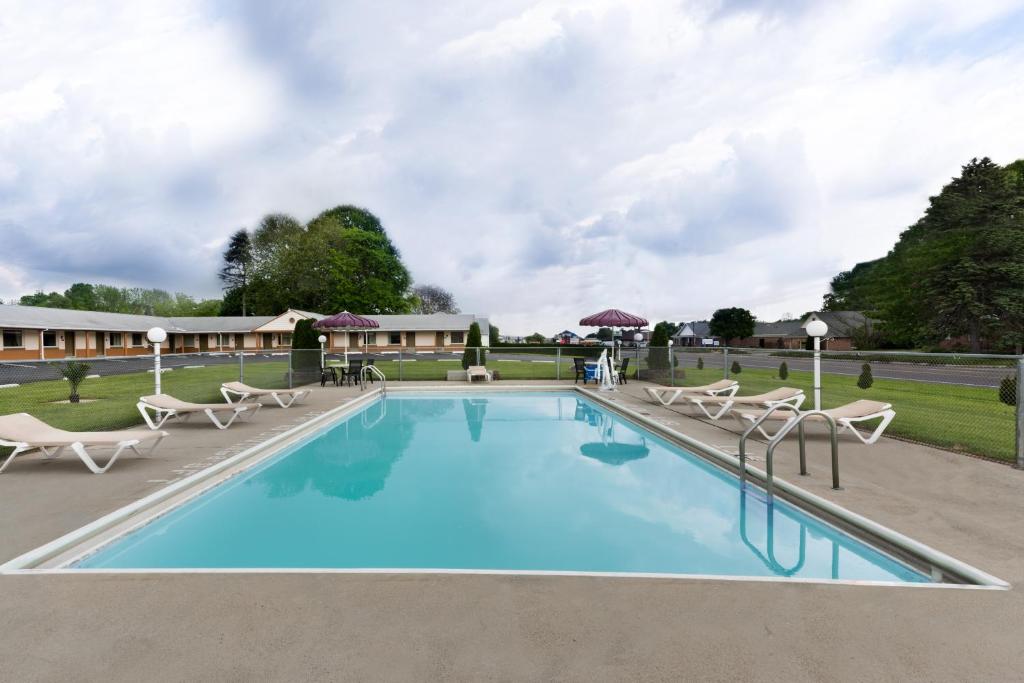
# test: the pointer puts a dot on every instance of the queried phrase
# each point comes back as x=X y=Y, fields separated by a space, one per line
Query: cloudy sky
x=541 y=159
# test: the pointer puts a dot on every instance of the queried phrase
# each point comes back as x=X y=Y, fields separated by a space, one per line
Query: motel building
x=36 y=333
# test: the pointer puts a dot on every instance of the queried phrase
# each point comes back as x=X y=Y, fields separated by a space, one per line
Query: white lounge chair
x=245 y=392
x=24 y=433
x=845 y=416
x=794 y=397
x=164 y=407
x=474 y=371
x=726 y=387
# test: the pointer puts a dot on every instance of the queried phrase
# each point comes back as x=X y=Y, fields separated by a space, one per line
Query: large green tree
x=958 y=271
x=731 y=323
x=237 y=259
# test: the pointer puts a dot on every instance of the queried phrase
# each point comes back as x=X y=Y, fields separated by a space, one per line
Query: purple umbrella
x=613 y=317
x=344 y=322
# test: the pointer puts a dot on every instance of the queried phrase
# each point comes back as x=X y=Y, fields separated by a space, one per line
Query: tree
x=75 y=373
x=731 y=323
x=493 y=334
x=736 y=368
x=865 y=380
x=783 y=370
x=605 y=334
x=433 y=299
x=658 y=351
x=237 y=264
x=536 y=338
x=81 y=297
x=700 y=362
x=305 y=351
x=473 y=342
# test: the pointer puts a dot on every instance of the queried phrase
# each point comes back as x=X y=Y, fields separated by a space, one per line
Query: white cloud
x=542 y=159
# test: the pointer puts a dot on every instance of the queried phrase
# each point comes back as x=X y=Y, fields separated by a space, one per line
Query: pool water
x=509 y=481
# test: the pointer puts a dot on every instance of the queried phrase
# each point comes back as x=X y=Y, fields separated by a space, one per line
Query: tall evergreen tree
x=237 y=266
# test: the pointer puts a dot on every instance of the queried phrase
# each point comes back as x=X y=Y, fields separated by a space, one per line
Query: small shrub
x=736 y=369
x=1008 y=390
x=74 y=372
x=700 y=363
x=865 y=380
x=783 y=370
x=473 y=342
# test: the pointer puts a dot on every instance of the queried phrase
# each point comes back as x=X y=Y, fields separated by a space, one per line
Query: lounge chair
x=845 y=416
x=474 y=371
x=244 y=392
x=794 y=397
x=726 y=387
x=24 y=433
x=165 y=407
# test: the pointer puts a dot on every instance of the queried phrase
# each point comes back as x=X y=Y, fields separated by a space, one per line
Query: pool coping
x=55 y=556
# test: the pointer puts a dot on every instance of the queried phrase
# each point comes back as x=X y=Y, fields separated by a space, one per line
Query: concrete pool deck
x=400 y=627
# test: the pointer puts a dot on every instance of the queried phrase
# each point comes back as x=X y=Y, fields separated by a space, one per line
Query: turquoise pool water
x=527 y=481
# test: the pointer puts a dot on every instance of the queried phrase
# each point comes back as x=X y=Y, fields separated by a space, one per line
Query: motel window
x=49 y=340
x=285 y=340
x=12 y=339
x=137 y=339
x=371 y=338
x=458 y=337
x=395 y=338
x=116 y=339
x=189 y=340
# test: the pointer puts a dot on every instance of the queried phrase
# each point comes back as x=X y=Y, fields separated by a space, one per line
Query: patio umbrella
x=346 y=322
x=613 y=318
x=614 y=453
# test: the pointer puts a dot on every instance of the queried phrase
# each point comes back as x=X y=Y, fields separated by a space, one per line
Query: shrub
x=1008 y=390
x=783 y=370
x=865 y=380
x=74 y=372
x=700 y=363
x=736 y=369
x=305 y=361
x=473 y=342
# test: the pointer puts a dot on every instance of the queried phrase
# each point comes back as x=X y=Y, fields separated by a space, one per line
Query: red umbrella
x=613 y=317
x=346 y=321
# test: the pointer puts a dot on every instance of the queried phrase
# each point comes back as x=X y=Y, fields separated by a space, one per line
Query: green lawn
x=969 y=419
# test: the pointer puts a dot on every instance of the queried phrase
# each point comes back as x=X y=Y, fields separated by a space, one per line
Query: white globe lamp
x=817 y=329
x=156 y=336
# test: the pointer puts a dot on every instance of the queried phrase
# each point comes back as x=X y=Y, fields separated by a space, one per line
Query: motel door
x=268 y=340
x=101 y=349
x=69 y=343
x=204 y=342
x=239 y=341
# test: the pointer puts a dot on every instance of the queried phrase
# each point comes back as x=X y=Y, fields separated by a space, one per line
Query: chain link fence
x=960 y=402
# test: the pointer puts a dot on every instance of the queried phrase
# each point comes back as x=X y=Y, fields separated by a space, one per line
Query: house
x=843 y=329
x=567 y=337
x=694 y=333
x=39 y=333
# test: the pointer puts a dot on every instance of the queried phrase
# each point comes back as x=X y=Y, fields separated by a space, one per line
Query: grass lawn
x=969 y=419
x=960 y=418
x=109 y=402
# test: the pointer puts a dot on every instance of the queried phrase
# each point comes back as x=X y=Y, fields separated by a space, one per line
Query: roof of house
x=430 y=322
x=42 y=318
x=231 y=324
x=786 y=328
x=840 y=323
x=567 y=333
x=698 y=327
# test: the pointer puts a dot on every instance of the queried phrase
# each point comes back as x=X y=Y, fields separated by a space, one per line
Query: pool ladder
x=798 y=422
x=368 y=369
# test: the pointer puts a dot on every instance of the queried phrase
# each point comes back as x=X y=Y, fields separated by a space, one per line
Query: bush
x=1008 y=391
x=74 y=372
x=783 y=370
x=736 y=369
x=304 y=336
x=865 y=380
x=700 y=362
x=473 y=342
x=305 y=363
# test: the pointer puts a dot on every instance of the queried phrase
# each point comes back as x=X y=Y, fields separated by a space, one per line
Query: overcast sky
x=542 y=160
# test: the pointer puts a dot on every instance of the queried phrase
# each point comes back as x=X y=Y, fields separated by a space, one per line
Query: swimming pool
x=524 y=481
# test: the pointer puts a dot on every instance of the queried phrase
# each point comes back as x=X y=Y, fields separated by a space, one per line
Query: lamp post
x=637 y=338
x=322 y=339
x=156 y=336
x=671 y=363
x=817 y=330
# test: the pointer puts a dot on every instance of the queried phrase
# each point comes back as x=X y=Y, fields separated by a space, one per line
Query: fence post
x=401 y=366
x=725 y=361
x=241 y=365
x=478 y=355
x=1020 y=413
x=290 y=352
x=671 y=363
x=558 y=362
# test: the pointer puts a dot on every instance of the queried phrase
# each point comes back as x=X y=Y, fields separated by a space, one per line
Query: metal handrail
x=769 y=559
x=378 y=373
x=757 y=423
x=798 y=421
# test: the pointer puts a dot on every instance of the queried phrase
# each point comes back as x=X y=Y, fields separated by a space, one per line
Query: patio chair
x=794 y=397
x=244 y=392
x=369 y=375
x=165 y=407
x=25 y=433
x=478 y=371
x=845 y=416
x=622 y=371
x=354 y=369
x=579 y=366
x=726 y=387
